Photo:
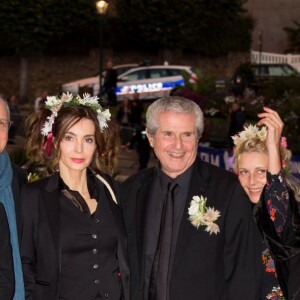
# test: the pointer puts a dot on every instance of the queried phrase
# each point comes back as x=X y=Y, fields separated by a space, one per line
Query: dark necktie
x=160 y=267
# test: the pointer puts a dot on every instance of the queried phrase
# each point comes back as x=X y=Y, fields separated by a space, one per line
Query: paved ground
x=128 y=163
x=127 y=159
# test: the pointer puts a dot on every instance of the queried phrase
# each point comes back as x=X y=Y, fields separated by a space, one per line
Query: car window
x=175 y=72
x=289 y=70
x=158 y=73
x=136 y=75
x=121 y=70
x=277 y=71
x=261 y=70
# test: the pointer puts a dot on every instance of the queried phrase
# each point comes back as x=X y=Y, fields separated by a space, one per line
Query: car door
x=131 y=82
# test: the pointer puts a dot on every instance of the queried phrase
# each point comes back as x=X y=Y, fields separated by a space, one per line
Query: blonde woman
x=261 y=161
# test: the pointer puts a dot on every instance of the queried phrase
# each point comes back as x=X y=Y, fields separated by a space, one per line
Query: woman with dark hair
x=73 y=242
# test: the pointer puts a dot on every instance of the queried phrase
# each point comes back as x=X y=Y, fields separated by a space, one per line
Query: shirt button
x=94 y=236
x=97 y=281
x=106 y=295
x=97 y=221
x=95 y=251
x=95 y=266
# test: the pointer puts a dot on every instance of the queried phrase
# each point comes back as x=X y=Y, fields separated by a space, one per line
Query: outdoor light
x=101 y=9
x=101 y=6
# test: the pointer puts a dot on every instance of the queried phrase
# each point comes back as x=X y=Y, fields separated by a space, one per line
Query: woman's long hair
x=107 y=140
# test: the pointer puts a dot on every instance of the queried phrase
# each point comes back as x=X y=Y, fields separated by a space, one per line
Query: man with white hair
x=189 y=223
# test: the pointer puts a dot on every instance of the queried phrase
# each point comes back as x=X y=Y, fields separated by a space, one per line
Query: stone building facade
x=270 y=18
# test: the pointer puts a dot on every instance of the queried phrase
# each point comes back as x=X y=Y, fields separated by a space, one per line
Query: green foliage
x=282 y=95
x=207 y=27
x=30 y=27
x=245 y=71
x=204 y=92
x=206 y=83
x=281 y=87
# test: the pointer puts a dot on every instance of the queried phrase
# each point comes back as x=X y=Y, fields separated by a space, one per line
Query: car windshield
x=134 y=75
x=289 y=70
x=121 y=70
x=274 y=70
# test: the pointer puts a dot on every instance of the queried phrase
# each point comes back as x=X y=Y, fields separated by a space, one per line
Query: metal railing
x=276 y=58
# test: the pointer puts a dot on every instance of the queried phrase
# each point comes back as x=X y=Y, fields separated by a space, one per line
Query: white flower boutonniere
x=199 y=215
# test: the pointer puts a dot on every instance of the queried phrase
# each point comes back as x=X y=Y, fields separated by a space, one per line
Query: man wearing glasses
x=11 y=180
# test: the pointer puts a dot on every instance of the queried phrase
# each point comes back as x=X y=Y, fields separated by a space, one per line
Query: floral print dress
x=277 y=198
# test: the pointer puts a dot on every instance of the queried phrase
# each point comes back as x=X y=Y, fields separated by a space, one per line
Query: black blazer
x=207 y=267
x=40 y=241
x=7 y=281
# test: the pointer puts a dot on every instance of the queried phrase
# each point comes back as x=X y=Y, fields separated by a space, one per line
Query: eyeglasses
x=4 y=125
x=258 y=173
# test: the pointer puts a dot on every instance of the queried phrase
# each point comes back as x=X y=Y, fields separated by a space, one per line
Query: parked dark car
x=254 y=76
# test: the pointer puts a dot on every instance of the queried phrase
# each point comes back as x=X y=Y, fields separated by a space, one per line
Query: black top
x=153 y=218
x=89 y=264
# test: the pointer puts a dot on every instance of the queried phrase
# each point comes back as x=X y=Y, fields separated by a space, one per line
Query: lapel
x=51 y=200
x=198 y=186
x=122 y=238
x=115 y=209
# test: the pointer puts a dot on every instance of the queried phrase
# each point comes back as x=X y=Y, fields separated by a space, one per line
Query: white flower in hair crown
x=254 y=132
x=250 y=132
x=55 y=103
x=199 y=215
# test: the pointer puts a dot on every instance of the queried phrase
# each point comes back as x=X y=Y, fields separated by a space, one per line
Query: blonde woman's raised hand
x=271 y=119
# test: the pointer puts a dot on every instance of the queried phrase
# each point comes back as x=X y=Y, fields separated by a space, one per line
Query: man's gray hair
x=174 y=104
x=6 y=105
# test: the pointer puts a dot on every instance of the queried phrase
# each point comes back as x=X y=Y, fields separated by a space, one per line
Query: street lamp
x=260 y=46
x=101 y=6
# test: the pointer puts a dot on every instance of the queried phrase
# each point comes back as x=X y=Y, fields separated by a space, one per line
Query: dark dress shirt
x=153 y=218
x=89 y=247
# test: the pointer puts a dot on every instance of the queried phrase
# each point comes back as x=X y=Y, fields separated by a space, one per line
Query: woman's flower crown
x=54 y=103
x=254 y=132
x=249 y=133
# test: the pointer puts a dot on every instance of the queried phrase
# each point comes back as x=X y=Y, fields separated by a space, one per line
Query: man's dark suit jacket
x=7 y=283
x=205 y=267
x=40 y=242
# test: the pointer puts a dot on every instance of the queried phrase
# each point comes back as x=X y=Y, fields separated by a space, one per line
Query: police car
x=152 y=82
x=92 y=83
